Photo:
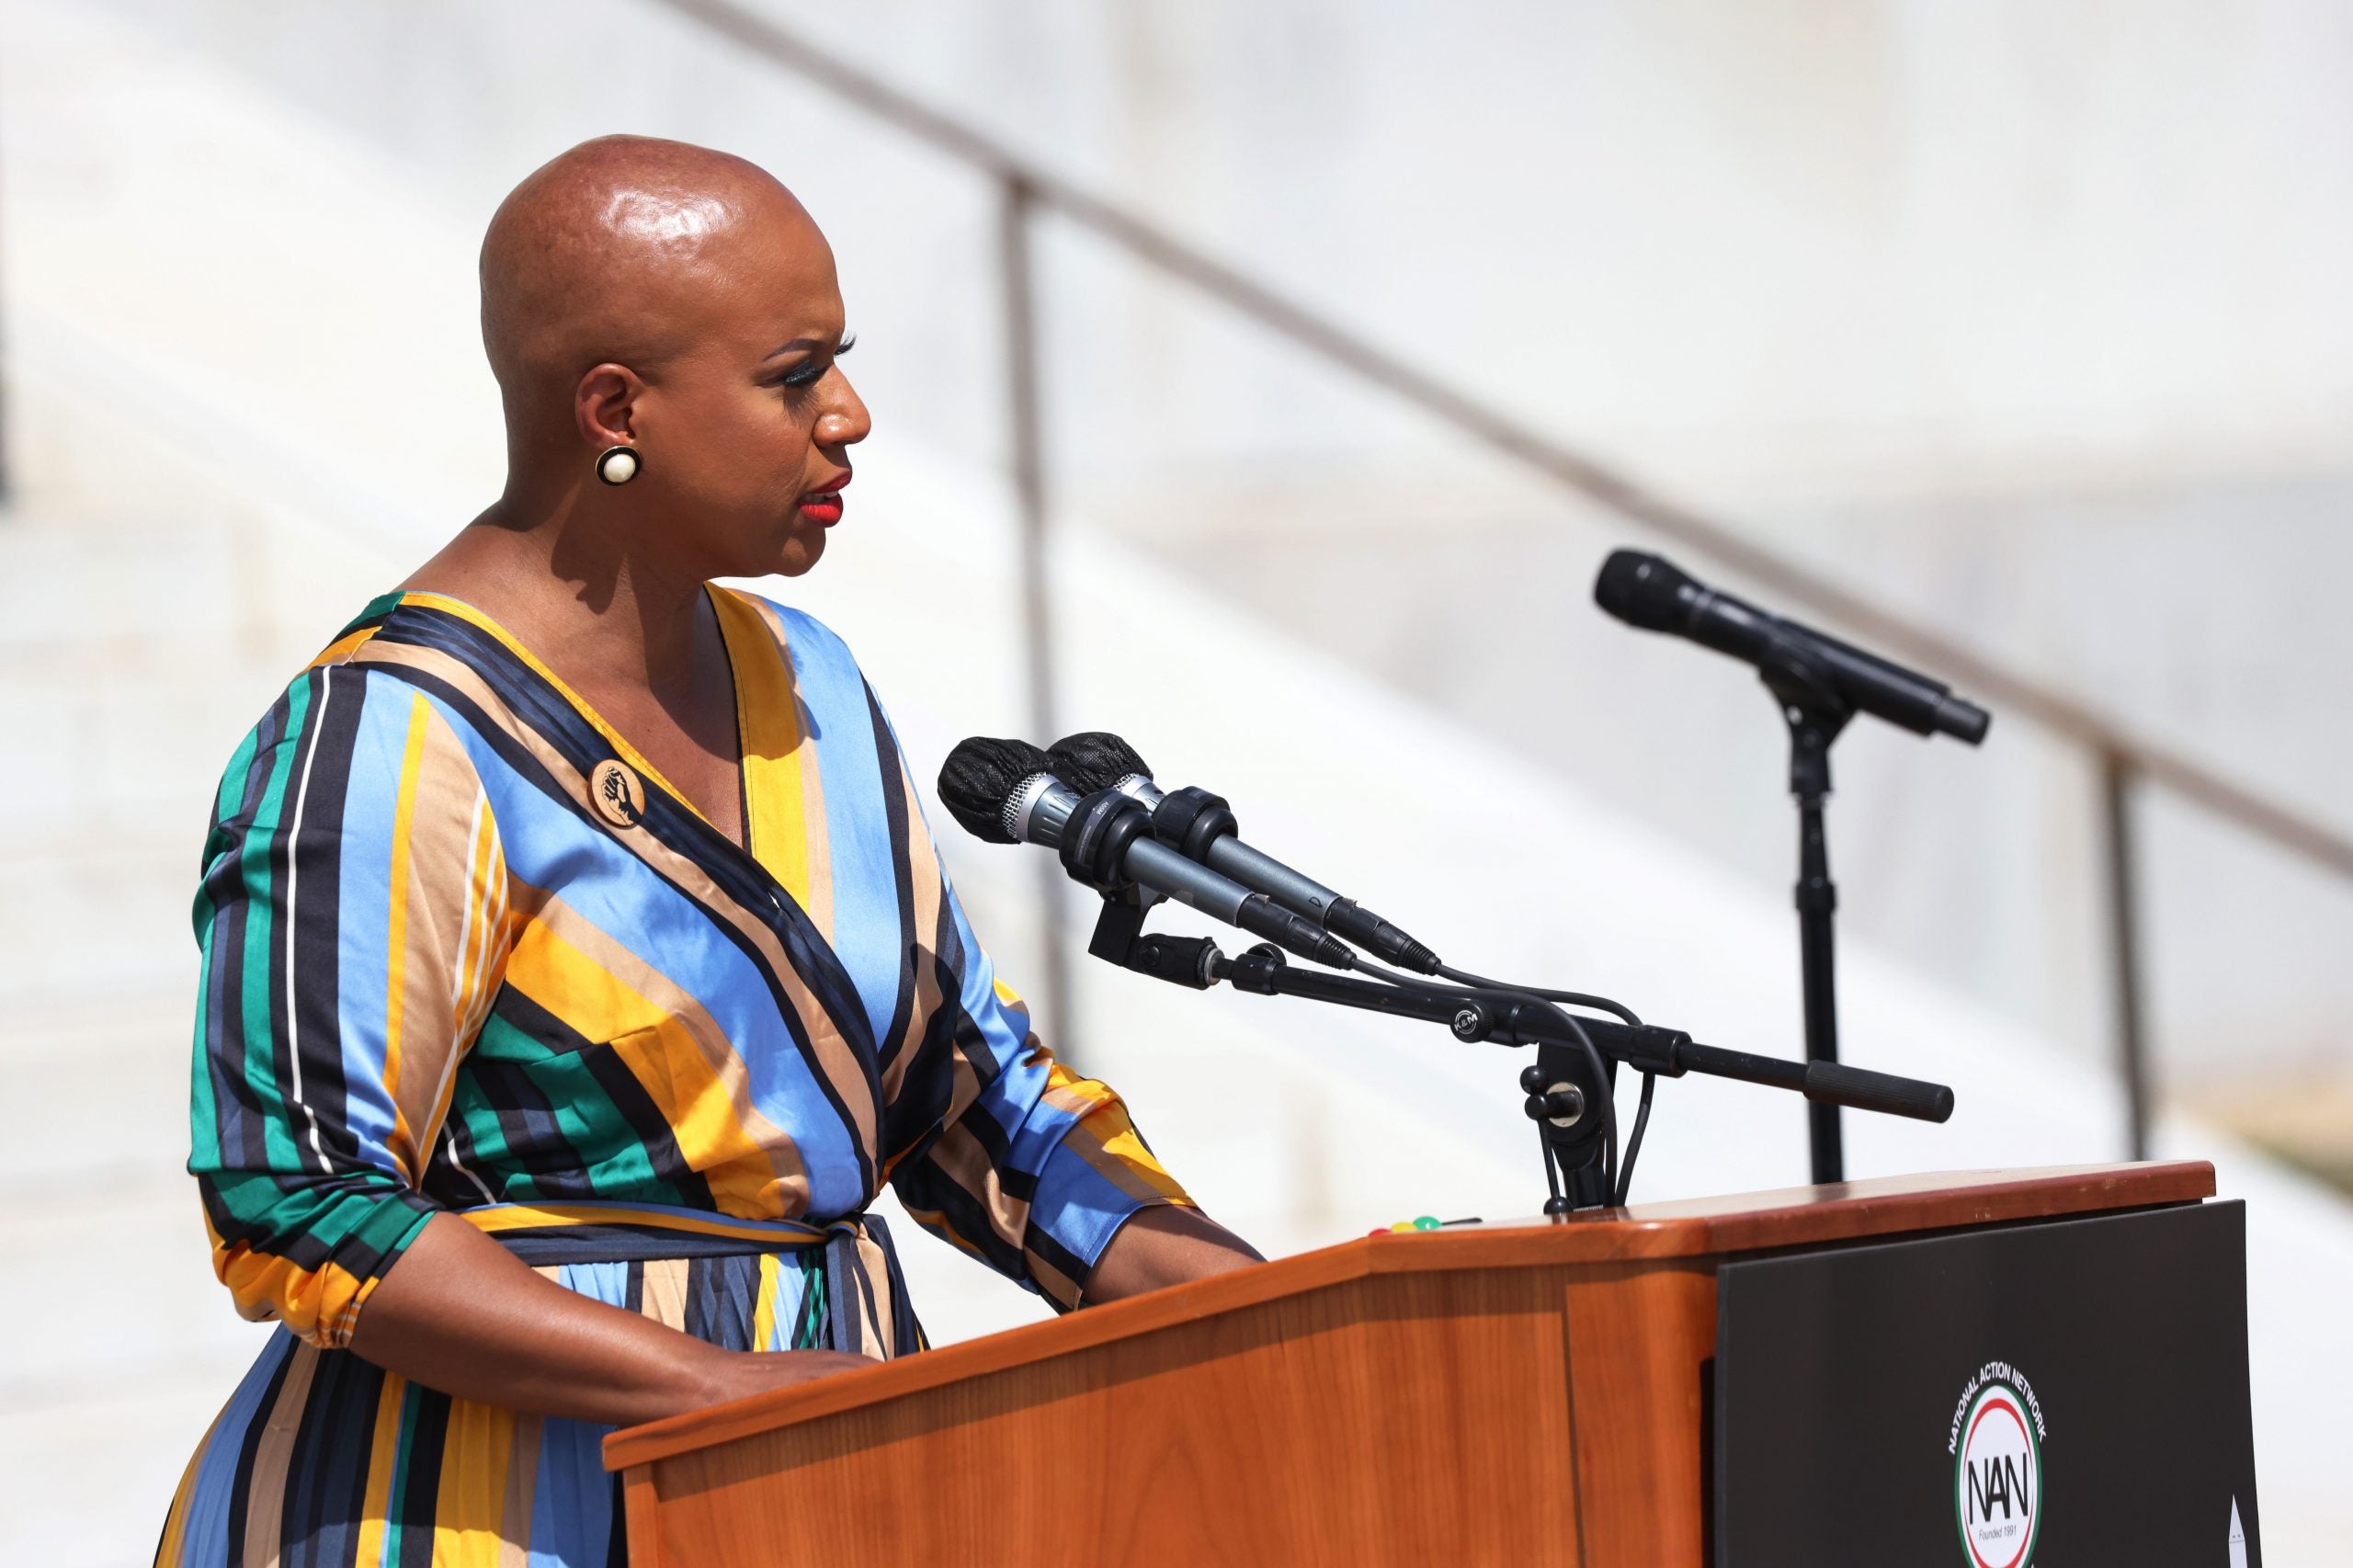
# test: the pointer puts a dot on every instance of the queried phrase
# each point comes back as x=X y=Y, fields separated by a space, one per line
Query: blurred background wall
x=2024 y=323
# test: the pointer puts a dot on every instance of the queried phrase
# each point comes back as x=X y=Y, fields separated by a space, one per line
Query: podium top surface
x=1692 y=1228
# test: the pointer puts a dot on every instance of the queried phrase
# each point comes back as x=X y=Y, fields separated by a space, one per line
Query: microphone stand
x=1561 y=1089
x=1815 y=714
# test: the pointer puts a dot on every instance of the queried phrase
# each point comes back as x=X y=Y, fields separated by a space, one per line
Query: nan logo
x=1997 y=1444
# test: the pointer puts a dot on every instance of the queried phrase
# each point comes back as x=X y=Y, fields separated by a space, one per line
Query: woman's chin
x=799 y=553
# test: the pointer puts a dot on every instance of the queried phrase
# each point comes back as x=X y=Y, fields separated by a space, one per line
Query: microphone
x=1651 y=592
x=1202 y=826
x=1005 y=792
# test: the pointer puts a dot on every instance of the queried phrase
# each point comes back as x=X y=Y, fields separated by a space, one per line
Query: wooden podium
x=1519 y=1393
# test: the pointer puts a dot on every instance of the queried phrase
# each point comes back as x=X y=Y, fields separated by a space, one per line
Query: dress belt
x=551 y=1234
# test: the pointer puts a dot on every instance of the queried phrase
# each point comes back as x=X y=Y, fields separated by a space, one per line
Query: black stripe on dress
x=425 y=1422
x=1058 y=1257
x=249 y=1444
x=326 y=1482
x=897 y=811
x=927 y=1083
x=721 y=1293
x=923 y=1184
x=318 y=900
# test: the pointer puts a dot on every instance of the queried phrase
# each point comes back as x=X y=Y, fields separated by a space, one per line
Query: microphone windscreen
x=1094 y=759
x=1642 y=590
x=981 y=775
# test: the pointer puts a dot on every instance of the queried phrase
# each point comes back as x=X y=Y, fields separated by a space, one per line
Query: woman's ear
x=604 y=405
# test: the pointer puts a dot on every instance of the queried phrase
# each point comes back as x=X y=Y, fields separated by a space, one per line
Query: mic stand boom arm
x=1646 y=1048
x=1561 y=1087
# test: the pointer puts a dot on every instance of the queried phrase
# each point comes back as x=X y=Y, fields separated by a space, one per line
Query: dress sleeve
x=353 y=922
x=1025 y=1164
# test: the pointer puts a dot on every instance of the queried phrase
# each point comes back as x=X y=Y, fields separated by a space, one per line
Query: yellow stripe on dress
x=700 y=1088
x=343 y=647
x=469 y=1504
x=383 y=1454
x=442 y=932
x=481 y=941
x=555 y=1216
x=768 y=721
x=764 y=1304
x=1107 y=1139
x=402 y=1139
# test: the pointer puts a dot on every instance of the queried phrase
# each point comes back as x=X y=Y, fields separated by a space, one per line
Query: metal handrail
x=2124 y=756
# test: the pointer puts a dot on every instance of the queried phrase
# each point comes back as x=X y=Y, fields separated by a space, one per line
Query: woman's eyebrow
x=802 y=342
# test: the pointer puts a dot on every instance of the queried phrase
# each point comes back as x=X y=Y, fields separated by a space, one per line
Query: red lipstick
x=823 y=506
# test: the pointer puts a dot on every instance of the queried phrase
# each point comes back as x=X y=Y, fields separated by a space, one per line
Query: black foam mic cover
x=981 y=775
x=1642 y=590
x=1094 y=759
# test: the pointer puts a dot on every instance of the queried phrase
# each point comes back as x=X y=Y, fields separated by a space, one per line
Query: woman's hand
x=462 y=1314
x=749 y=1372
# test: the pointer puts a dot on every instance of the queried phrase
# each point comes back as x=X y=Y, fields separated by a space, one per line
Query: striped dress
x=465 y=951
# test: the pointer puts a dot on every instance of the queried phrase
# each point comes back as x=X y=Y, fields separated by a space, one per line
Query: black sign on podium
x=2067 y=1395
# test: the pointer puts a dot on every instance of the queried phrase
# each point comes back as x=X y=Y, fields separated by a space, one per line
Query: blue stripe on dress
x=365 y=893
x=207 y=1533
x=571 y=1497
x=865 y=881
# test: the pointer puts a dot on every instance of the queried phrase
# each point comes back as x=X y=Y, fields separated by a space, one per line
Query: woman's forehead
x=776 y=285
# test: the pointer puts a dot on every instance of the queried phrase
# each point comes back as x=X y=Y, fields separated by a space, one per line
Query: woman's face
x=746 y=430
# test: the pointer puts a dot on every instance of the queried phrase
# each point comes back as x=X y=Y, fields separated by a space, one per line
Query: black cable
x=1601 y=1004
x=1575 y=998
x=1576 y=1029
x=1635 y=1143
x=1552 y=1170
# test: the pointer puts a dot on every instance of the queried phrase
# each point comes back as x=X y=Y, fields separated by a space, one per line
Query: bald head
x=625 y=250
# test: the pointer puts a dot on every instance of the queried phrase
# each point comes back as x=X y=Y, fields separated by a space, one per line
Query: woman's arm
x=463 y=1315
x=1166 y=1245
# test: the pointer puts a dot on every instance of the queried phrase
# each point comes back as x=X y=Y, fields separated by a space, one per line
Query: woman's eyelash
x=809 y=373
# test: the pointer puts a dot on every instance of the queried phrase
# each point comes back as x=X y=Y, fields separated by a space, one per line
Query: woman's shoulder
x=809 y=644
x=342 y=716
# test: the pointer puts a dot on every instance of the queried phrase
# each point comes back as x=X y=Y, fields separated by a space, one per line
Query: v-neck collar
x=768 y=728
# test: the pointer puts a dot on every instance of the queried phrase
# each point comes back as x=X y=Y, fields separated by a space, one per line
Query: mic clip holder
x=1096 y=839
x=1118 y=939
x=1191 y=819
x=1095 y=843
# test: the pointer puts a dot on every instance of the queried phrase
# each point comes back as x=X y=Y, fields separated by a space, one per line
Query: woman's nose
x=845 y=422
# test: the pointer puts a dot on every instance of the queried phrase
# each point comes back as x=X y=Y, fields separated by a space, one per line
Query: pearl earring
x=617 y=465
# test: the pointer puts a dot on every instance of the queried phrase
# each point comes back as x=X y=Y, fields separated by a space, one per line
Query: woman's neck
x=607 y=617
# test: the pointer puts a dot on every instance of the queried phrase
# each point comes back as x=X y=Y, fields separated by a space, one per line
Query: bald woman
x=577 y=963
